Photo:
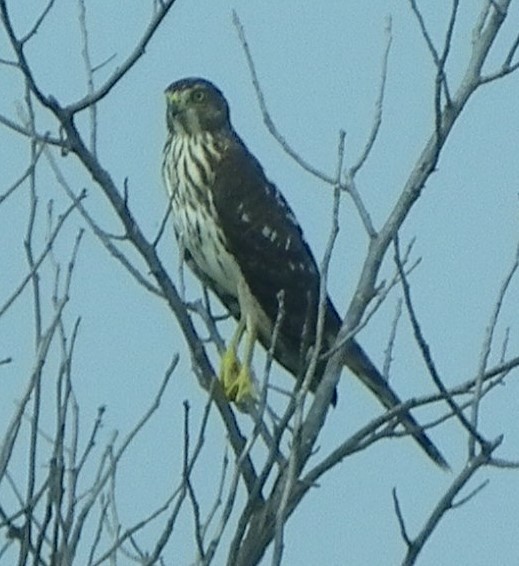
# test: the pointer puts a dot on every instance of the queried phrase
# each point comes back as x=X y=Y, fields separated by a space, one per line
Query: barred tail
x=359 y=363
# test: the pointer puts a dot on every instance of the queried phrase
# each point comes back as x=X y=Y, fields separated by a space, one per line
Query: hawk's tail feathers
x=359 y=363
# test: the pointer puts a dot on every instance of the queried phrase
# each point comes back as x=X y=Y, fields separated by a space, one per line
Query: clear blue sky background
x=319 y=65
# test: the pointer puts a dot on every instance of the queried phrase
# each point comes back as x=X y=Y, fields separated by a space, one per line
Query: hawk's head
x=195 y=105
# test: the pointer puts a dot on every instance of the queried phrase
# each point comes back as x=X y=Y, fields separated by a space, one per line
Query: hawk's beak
x=174 y=102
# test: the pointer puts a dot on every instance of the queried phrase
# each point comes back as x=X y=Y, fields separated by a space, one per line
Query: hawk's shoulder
x=254 y=210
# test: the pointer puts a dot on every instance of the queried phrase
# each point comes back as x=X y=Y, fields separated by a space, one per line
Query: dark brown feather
x=264 y=236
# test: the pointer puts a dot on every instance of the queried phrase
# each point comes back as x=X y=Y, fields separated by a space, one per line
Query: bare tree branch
x=487 y=344
x=446 y=503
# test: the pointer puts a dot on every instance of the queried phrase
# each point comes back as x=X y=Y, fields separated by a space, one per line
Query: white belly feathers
x=194 y=218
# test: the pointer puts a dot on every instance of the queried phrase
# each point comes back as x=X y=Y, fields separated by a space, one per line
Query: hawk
x=240 y=237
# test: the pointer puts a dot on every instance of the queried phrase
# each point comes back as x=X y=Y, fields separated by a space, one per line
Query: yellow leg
x=244 y=382
x=230 y=365
x=236 y=378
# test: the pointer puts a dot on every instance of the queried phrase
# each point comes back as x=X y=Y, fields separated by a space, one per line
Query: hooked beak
x=174 y=102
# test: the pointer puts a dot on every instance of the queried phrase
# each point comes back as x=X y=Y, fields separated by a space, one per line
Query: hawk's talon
x=244 y=385
x=229 y=371
x=237 y=382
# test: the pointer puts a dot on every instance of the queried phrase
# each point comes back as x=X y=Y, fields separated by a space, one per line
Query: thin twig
x=426 y=352
x=446 y=502
x=37 y=262
x=388 y=357
x=400 y=518
x=85 y=52
x=377 y=118
x=264 y=111
x=139 y=49
x=487 y=344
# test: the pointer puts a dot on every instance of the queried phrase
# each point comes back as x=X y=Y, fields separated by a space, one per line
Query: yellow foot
x=229 y=371
x=244 y=387
x=236 y=379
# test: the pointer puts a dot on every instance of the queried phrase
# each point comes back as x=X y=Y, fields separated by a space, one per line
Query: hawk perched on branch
x=242 y=240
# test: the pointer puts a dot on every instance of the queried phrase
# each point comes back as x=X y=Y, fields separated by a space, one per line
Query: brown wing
x=263 y=235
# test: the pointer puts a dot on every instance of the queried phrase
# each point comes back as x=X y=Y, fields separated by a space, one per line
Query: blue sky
x=319 y=66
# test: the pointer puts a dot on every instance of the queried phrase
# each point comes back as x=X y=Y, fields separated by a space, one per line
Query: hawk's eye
x=198 y=96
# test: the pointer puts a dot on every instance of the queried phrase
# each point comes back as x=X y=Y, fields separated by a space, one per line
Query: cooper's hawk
x=241 y=238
